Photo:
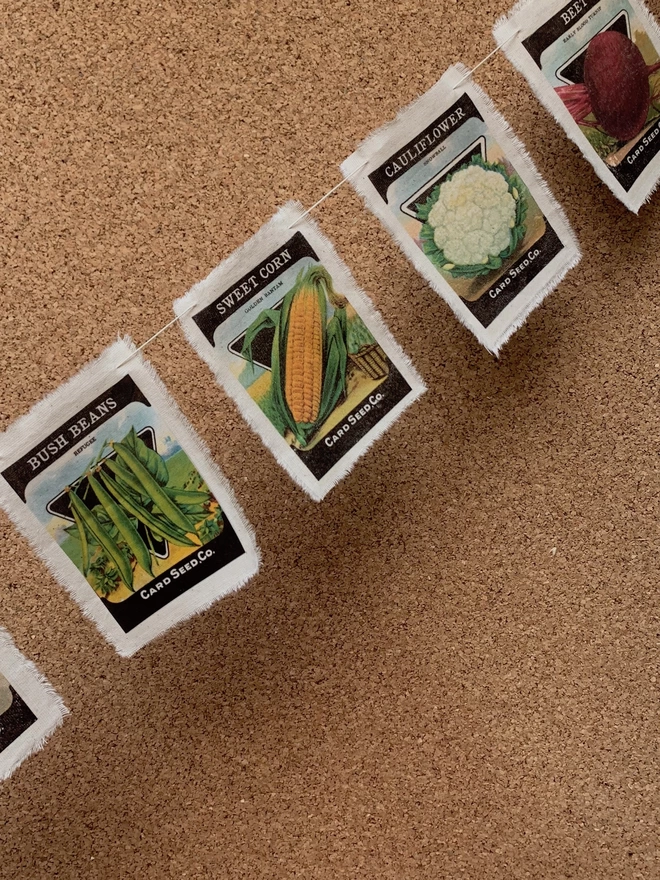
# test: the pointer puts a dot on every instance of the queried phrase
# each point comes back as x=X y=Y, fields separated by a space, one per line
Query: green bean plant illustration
x=127 y=506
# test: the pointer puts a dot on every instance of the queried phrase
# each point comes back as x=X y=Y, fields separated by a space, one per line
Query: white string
x=157 y=334
x=316 y=204
x=327 y=195
x=190 y=308
x=487 y=58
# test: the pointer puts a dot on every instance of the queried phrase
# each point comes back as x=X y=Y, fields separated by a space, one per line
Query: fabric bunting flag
x=120 y=498
x=30 y=710
x=300 y=348
x=595 y=65
x=461 y=197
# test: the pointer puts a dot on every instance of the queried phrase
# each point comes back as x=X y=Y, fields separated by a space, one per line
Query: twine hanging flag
x=30 y=710
x=301 y=349
x=461 y=197
x=595 y=65
x=120 y=498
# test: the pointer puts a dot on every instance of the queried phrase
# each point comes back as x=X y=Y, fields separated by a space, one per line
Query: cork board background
x=450 y=667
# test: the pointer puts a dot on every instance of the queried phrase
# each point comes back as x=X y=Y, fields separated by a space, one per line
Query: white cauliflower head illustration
x=473 y=217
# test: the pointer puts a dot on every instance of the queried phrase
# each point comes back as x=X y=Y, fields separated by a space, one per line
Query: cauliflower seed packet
x=30 y=710
x=595 y=65
x=120 y=498
x=300 y=349
x=463 y=200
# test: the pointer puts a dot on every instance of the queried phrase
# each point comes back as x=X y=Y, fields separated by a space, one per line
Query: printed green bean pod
x=124 y=474
x=84 y=545
x=126 y=528
x=153 y=490
x=104 y=539
x=153 y=462
x=187 y=496
x=150 y=542
x=168 y=533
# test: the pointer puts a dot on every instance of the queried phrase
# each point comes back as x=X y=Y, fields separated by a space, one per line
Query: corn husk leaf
x=357 y=335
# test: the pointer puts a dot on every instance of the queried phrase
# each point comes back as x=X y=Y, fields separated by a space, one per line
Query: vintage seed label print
x=596 y=66
x=467 y=207
x=15 y=715
x=118 y=491
x=29 y=708
x=302 y=351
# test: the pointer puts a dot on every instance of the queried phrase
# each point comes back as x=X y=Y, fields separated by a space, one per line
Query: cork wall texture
x=449 y=667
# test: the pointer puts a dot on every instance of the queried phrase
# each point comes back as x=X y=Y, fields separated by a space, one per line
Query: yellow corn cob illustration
x=303 y=372
x=308 y=355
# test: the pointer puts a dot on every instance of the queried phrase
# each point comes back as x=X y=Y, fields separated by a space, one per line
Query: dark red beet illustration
x=616 y=87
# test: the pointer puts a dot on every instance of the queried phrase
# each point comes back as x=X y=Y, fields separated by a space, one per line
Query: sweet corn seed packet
x=120 y=498
x=464 y=202
x=301 y=350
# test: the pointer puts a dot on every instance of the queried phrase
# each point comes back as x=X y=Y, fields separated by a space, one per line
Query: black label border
x=225 y=547
x=209 y=318
x=322 y=458
x=18 y=719
x=554 y=28
x=382 y=181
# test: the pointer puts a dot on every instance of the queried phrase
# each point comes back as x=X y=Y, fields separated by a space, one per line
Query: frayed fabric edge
x=35 y=689
x=540 y=297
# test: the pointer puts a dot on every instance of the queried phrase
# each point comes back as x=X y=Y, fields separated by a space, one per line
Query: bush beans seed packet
x=301 y=350
x=30 y=710
x=463 y=200
x=595 y=65
x=120 y=498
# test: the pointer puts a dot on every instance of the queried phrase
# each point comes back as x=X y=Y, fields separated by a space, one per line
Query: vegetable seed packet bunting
x=595 y=65
x=463 y=200
x=120 y=498
x=301 y=350
x=30 y=710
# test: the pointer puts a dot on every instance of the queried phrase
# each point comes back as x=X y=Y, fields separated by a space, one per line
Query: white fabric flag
x=301 y=349
x=463 y=200
x=30 y=710
x=595 y=65
x=119 y=496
